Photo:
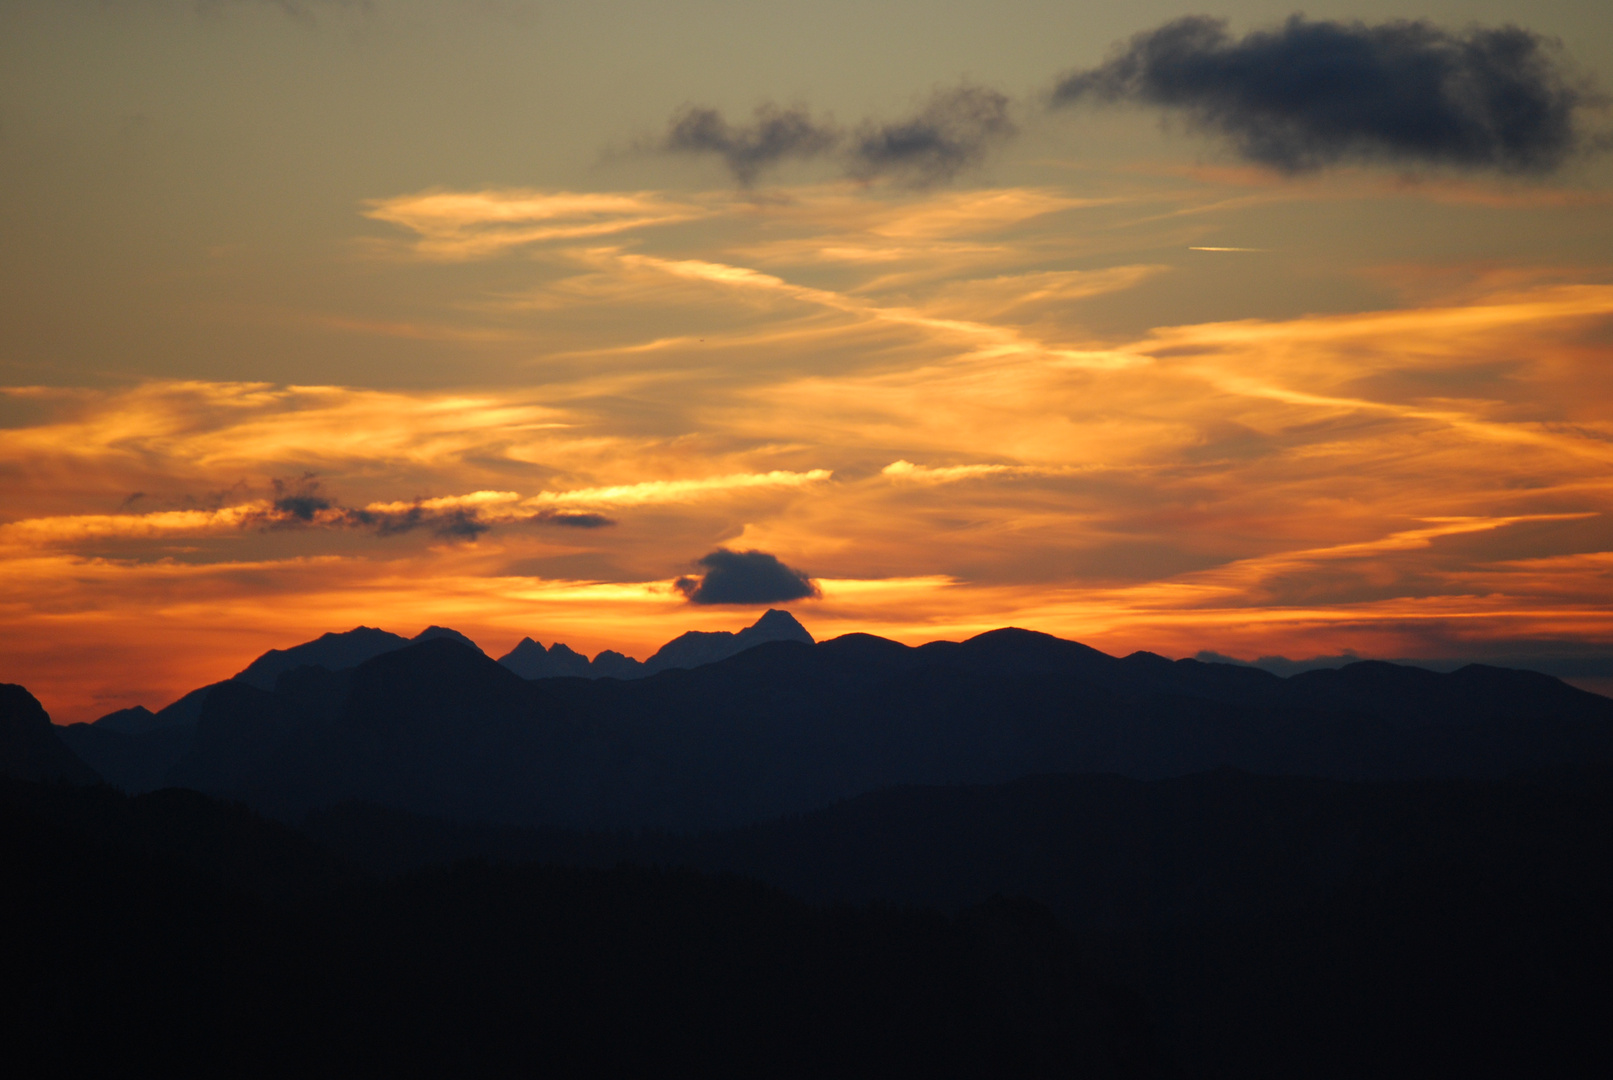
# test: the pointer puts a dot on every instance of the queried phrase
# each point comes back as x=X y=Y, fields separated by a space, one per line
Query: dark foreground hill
x=1213 y=926
x=1279 y=927
x=171 y=934
x=439 y=729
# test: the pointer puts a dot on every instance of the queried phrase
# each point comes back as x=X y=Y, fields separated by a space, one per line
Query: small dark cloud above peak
x=772 y=135
x=745 y=577
x=954 y=130
x=1312 y=93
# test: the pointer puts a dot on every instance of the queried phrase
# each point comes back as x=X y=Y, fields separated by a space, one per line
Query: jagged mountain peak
x=531 y=660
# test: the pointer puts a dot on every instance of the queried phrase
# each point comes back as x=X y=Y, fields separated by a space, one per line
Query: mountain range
x=785 y=726
x=1211 y=870
x=135 y=748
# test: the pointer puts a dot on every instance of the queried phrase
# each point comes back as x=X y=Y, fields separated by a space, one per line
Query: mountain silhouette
x=337 y=651
x=432 y=633
x=785 y=727
x=698 y=647
x=531 y=660
x=29 y=746
x=125 y=746
x=133 y=749
x=333 y=651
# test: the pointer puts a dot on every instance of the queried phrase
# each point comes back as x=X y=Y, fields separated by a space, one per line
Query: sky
x=1157 y=326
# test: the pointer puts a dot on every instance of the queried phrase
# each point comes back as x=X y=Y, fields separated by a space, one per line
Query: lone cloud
x=1311 y=93
x=745 y=577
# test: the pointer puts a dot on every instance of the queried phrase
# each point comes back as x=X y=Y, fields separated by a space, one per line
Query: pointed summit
x=698 y=647
x=530 y=660
x=432 y=632
x=774 y=625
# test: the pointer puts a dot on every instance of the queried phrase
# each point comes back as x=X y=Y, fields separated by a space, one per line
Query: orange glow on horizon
x=901 y=393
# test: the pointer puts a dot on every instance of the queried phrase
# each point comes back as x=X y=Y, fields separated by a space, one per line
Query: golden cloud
x=478 y=224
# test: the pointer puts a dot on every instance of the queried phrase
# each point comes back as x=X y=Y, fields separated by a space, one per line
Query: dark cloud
x=954 y=130
x=298 y=503
x=1311 y=93
x=460 y=523
x=745 y=577
x=299 y=500
x=773 y=135
x=573 y=519
x=385 y=524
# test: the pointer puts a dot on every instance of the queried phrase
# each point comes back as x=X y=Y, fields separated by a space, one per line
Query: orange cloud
x=477 y=224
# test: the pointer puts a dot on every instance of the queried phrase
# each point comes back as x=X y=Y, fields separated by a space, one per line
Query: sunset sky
x=1241 y=334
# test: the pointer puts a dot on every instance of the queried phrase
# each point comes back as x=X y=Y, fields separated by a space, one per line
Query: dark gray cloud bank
x=1306 y=94
x=1312 y=93
x=745 y=577
x=954 y=130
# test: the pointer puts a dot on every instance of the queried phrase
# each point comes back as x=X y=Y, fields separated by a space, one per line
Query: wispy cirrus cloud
x=664 y=491
x=479 y=224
